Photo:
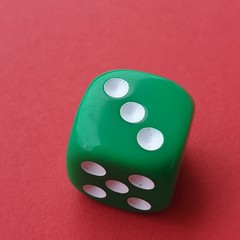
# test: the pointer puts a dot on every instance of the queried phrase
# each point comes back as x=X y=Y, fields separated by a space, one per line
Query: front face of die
x=128 y=138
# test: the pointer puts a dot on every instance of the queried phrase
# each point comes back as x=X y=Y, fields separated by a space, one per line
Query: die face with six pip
x=128 y=138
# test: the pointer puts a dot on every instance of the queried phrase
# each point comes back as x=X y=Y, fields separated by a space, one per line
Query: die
x=128 y=138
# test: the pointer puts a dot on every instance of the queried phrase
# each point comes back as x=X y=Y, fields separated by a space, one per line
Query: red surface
x=50 y=50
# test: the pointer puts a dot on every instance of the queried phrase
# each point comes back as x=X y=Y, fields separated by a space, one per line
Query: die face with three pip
x=128 y=138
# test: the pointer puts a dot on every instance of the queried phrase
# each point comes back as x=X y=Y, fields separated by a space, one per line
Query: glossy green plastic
x=100 y=135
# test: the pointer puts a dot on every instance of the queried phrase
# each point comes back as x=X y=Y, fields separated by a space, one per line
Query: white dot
x=150 y=138
x=141 y=182
x=139 y=203
x=132 y=112
x=116 y=87
x=94 y=191
x=93 y=168
x=117 y=186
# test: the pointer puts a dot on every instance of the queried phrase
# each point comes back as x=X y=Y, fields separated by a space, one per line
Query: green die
x=128 y=138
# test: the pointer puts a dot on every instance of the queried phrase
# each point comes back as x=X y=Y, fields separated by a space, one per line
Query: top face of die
x=136 y=118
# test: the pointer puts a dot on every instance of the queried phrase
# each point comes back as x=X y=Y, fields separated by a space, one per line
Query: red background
x=50 y=50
